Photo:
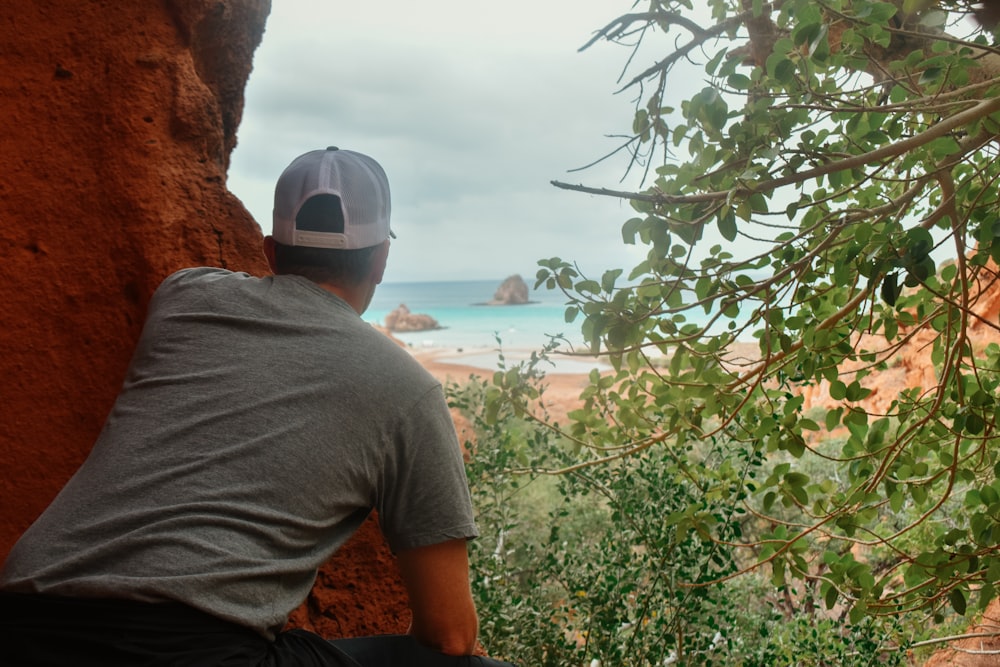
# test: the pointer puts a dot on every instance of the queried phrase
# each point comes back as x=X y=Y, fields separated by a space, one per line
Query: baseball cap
x=354 y=195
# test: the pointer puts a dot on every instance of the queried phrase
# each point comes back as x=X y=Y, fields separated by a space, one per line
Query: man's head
x=331 y=218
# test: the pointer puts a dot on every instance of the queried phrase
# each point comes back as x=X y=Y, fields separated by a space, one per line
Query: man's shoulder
x=197 y=274
x=396 y=361
x=198 y=279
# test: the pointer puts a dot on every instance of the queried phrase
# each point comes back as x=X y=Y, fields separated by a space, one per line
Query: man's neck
x=357 y=296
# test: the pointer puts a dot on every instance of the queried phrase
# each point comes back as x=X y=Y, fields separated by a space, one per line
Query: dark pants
x=38 y=630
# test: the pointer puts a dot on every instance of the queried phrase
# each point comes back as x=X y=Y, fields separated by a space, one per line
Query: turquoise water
x=473 y=328
x=469 y=325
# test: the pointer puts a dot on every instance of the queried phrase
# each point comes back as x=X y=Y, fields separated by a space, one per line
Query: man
x=260 y=422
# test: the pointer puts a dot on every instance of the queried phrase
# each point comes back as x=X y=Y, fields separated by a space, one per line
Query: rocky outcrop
x=980 y=646
x=119 y=120
x=512 y=291
x=402 y=320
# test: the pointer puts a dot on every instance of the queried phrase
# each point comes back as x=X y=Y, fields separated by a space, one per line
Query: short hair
x=323 y=265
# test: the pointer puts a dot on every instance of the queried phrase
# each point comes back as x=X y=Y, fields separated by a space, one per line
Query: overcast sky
x=471 y=107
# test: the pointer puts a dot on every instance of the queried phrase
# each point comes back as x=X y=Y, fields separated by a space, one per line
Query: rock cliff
x=119 y=120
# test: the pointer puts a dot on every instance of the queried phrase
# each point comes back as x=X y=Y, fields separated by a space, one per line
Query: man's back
x=260 y=422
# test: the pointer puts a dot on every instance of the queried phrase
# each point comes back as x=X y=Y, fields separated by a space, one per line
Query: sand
x=563 y=383
x=564 y=379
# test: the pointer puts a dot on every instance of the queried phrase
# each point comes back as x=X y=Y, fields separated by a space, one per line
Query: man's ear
x=379 y=262
x=269 y=253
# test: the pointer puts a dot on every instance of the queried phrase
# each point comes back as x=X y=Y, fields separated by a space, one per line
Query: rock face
x=979 y=649
x=512 y=291
x=119 y=120
x=402 y=319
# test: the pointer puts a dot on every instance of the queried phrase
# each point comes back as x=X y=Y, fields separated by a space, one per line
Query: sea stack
x=513 y=291
x=402 y=319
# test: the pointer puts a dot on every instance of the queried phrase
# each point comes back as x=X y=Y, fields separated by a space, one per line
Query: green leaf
x=758 y=203
x=833 y=419
x=781 y=68
x=796 y=479
x=608 y=280
x=896 y=501
x=929 y=76
x=819 y=46
x=794 y=445
x=830 y=596
x=855 y=392
x=891 y=289
x=630 y=229
x=727 y=225
x=769 y=499
x=738 y=81
x=713 y=64
x=838 y=390
x=974 y=424
x=808 y=425
x=806 y=31
x=957 y=599
x=877 y=12
x=858 y=611
x=986 y=595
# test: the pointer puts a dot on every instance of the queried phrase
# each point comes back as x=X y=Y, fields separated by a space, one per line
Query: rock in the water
x=512 y=291
x=402 y=319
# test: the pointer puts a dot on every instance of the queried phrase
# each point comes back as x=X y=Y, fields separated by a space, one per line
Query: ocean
x=473 y=328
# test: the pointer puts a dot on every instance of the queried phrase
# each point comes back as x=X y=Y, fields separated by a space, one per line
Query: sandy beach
x=563 y=383
x=565 y=377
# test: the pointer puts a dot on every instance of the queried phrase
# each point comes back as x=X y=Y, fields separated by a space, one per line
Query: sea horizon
x=474 y=332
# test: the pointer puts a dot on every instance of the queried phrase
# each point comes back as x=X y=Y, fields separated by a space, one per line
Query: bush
x=629 y=563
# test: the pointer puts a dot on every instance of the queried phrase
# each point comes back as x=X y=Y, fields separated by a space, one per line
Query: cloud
x=472 y=108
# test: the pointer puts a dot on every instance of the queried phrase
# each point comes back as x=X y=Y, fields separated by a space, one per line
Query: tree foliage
x=828 y=192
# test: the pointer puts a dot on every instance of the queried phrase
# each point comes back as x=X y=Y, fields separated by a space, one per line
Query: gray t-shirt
x=260 y=422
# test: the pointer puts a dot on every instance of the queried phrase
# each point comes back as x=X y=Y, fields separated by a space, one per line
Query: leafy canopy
x=828 y=192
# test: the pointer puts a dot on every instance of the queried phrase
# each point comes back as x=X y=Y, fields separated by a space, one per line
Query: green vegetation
x=623 y=563
x=830 y=194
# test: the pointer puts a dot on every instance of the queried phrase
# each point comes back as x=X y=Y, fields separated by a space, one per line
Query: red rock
x=401 y=319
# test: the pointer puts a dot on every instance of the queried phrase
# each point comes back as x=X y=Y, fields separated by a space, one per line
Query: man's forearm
x=437 y=581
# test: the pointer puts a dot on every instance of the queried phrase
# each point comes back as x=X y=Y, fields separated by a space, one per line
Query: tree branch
x=893 y=150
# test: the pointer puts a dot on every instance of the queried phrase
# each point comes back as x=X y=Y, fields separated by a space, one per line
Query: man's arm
x=437 y=580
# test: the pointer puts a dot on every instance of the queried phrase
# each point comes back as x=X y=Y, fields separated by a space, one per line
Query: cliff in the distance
x=119 y=120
